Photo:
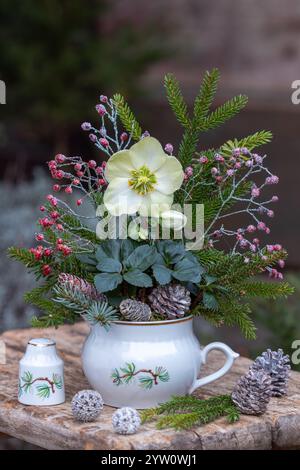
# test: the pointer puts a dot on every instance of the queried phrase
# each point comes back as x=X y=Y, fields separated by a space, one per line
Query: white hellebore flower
x=142 y=179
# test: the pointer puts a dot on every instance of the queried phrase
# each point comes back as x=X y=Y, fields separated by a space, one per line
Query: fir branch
x=127 y=117
x=268 y=290
x=205 y=96
x=23 y=255
x=224 y=112
x=188 y=411
x=250 y=142
x=176 y=100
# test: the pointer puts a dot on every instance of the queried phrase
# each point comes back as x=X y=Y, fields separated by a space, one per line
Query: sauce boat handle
x=230 y=357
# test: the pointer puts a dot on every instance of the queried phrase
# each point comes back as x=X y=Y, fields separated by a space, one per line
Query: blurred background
x=58 y=56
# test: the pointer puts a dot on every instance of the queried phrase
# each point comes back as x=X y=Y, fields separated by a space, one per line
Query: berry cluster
x=229 y=173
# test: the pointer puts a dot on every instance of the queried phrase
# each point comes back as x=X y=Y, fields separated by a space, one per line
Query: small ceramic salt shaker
x=41 y=375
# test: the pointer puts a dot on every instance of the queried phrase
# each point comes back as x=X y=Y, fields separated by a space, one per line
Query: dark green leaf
x=107 y=281
x=108 y=249
x=187 y=270
x=109 y=265
x=209 y=301
x=162 y=274
x=138 y=278
x=141 y=258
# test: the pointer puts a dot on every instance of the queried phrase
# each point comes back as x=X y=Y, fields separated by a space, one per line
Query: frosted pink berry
x=255 y=192
x=42 y=208
x=92 y=138
x=280 y=276
x=48 y=252
x=203 y=159
x=79 y=174
x=214 y=171
x=253 y=248
x=249 y=163
x=49 y=197
x=270 y=213
x=238 y=165
x=76 y=181
x=124 y=136
x=77 y=166
x=169 y=148
x=261 y=226
x=230 y=172
x=59 y=227
x=101 y=182
x=103 y=99
x=86 y=126
x=101 y=110
x=104 y=142
x=258 y=159
x=68 y=190
x=236 y=152
x=243 y=243
x=251 y=228
x=56 y=187
x=277 y=247
x=189 y=171
x=275 y=199
x=103 y=164
x=79 y=202
x=219 y=179
x=270 y=248
x=272 y=179
x=219 y=158
x=267 y=230
x=99 y=170
x=256 y=241
x=60 y=158
x=92 y=164
x=281 y=263
x=39 y=237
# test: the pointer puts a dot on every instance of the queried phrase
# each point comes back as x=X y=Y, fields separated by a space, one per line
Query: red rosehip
x=76 y=181
x=39 y=237
x=60 y=158
x=68 y=190
x=79 y=202
x=48 y=252
x=103 y=164
x=56 y=187
x=104 y=142
x=99 y=170
x=92 y=164
x=77 y=166
x=59 y=174
x=124 y=136
x=59 y=241
x=54 y=214
x=42 y=208
x=46 y=270
x=80 y=174
x=101 y=182
x=59 y=227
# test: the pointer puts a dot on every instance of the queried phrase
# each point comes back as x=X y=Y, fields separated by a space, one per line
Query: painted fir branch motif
x=44 y=389
x=146 y=377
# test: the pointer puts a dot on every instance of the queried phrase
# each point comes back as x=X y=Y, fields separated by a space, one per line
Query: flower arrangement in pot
x=149 y=241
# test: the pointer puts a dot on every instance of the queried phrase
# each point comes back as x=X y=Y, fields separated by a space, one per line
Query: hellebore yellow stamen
x=142 y=181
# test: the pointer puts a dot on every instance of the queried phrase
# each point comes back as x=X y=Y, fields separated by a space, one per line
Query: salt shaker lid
x=42 y=342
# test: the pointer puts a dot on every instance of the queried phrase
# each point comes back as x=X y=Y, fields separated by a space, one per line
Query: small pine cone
x=81 y=285
x=134 y=310
x=277 y=365
x=252 y=393
x=172 y=301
